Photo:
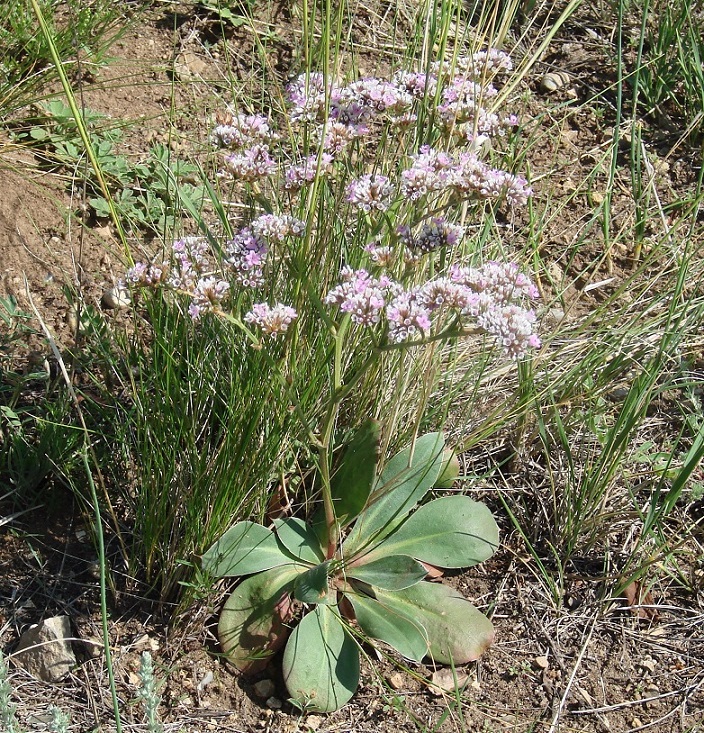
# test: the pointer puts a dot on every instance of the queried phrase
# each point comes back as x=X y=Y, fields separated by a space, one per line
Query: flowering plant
x=365 y=553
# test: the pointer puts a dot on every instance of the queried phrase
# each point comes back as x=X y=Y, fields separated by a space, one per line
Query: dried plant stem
x=96 y=508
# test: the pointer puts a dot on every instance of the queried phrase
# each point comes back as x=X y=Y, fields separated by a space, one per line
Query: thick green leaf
x=321 y=662
x=380 y=621
x=252 y=623
x=312 y=586
x=457 y=631
x=353 y=481
x=245 y=548
x=299 y=539
x=394 y=572
x=450 y=470
x=452 y=532
x=405 y=480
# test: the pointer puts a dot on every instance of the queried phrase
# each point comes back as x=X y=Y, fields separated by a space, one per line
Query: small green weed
x=229 y=12
x=14 y=325
x=146 y=194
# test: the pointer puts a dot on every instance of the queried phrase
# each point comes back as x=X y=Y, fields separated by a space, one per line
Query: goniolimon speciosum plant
x=375 y=573
x=365 y=266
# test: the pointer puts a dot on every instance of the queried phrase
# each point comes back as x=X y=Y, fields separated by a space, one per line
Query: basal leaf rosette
x=376 y=576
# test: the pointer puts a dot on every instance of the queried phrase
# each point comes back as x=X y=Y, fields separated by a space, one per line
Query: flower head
x=502 y=281
x=277 y=227
x=436 y=233
x=207 y=294
x=306 y=172
x=143 y=274
x=408 y=317
x=361 y=295
x=512 y=327
x=251 y=164
x=306 y=95
x=191 y=261
x=272 y=321
x=372 y=191
x=240 y=131
x=247 y=254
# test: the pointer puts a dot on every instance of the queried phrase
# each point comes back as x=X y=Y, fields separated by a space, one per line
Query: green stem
x=80 y=125
x=331 y=522
x=275 y=368
x=103 y=590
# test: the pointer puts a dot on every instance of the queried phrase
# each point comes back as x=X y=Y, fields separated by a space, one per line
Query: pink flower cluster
x=465 y=83
x=272 y=321
x=465 y=174
x=190 y=273
x=141 y=274
x=251 y=164
x=361 y=295
x=239 y=131
x=372 y=191
x=307 y=171
x=489 y=298
x=337 y=115
x=306 y=95
x=490 y=295
x=246 y=255
x=247 y=251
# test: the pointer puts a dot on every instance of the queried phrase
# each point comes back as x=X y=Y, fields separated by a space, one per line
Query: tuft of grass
x=81 y=30
x=668 y=77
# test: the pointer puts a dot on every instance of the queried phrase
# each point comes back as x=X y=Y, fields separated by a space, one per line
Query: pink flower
x=208 y=293
x=361 y=295
x=512 y=327
x=277 y=227
x=305 y=172
x=371 y=192
x=251 y=164
x=247 y=256
x=239 y=131
x=306 y=95
x=272 y=321
x=408 y=317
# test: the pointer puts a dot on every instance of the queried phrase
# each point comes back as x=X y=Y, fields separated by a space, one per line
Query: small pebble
x=264 y=689
x=396 y=681
x=555 y=80
x=541 y=662
x=115 y=298
x=274 y=703
x=207 y=679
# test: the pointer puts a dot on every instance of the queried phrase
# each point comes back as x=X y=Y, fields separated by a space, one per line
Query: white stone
x=116 y=298
x=45 y=650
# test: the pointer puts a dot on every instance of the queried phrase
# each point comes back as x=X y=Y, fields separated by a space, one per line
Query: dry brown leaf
x=445 y=680
x=636 y=596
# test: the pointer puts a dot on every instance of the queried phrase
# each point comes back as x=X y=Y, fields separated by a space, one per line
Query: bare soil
x=566 y=658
